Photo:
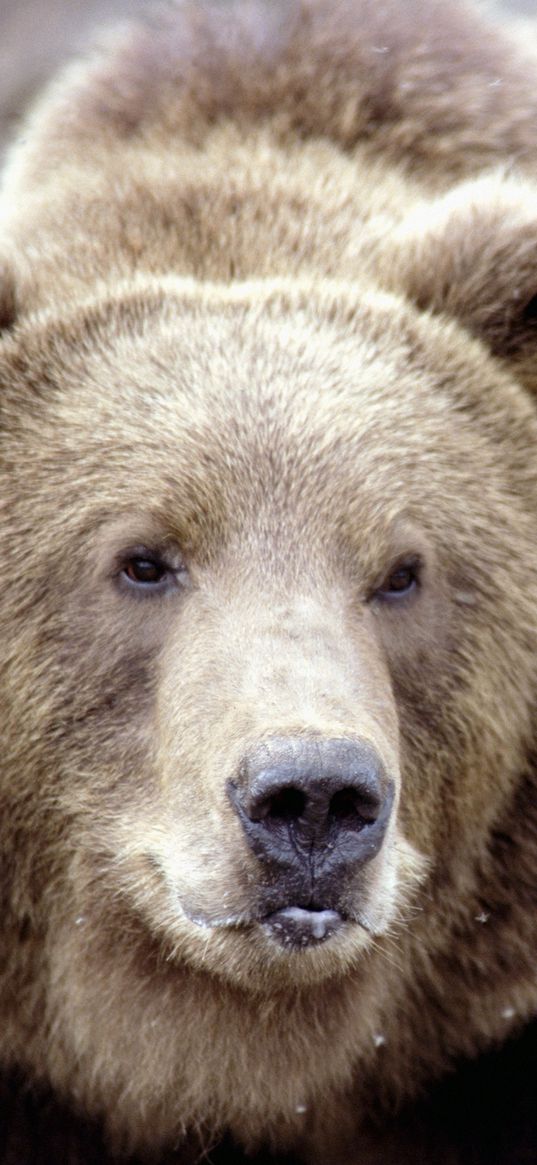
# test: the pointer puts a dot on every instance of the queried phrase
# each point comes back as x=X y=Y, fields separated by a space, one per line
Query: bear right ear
x=8 y=296
x=472 y=255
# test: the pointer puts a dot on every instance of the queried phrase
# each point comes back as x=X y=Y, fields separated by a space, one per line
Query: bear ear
x=8 y=296
x=472 y=255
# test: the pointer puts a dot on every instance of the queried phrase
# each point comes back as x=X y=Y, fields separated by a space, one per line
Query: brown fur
x=268 y=294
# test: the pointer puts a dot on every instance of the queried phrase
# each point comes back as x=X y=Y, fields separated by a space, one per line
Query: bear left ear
x=472 y=255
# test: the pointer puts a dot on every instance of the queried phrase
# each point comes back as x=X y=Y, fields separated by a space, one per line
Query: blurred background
x=36 y=35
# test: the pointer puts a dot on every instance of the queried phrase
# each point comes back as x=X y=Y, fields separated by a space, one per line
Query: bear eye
x=402 y=580
x=146 y=572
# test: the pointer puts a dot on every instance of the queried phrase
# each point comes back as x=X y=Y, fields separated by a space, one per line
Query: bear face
x=187 y=612
x=268 y=638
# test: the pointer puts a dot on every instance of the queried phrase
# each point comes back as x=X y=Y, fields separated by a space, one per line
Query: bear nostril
x=349 y=806
x=287 y=804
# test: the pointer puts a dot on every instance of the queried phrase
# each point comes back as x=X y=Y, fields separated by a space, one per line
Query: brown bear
x=268 y=618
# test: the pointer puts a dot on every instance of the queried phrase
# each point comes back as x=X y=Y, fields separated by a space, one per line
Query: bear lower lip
x=297 y=927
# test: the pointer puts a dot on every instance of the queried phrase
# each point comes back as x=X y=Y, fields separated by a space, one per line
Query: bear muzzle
x=313 y=812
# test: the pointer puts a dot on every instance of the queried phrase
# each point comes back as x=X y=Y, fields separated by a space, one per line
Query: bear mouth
x=291 y=927
x=298 y=927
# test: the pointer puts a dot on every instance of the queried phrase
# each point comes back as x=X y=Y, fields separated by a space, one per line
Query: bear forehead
x=270 y=370
x=228 y=408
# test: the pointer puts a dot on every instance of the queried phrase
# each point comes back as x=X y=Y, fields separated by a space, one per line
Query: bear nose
x=324 y=802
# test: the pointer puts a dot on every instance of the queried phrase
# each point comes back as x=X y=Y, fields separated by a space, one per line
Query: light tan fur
x=267 y=288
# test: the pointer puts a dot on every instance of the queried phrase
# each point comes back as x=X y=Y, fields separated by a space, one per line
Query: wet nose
x=322 y=802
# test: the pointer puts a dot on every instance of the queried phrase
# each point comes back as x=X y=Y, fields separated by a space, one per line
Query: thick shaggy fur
x=268 y=303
